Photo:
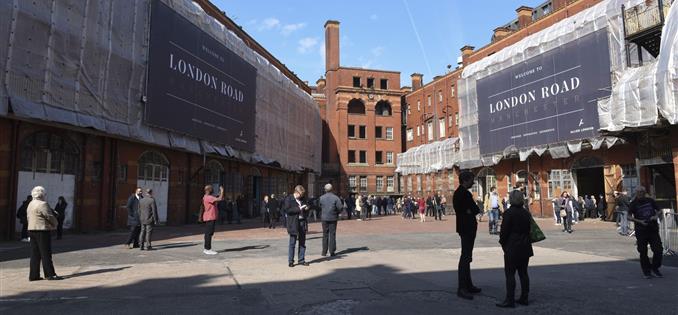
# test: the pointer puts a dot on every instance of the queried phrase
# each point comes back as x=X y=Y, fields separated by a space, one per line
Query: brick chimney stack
x=558 y=4
x=320 y=84
x=524 y=16
x=500 y=32
x=417 y=79
x=331 y=45
x=466 y=52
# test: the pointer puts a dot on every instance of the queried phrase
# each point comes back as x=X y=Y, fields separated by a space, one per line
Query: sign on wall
x=547 y=99
x=197 y=86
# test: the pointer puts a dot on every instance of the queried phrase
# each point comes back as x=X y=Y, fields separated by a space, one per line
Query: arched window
x=153 y=166
x=213 y=171
x=356 y=106
x=45 y=152
x=486 y=179
x=534 y=189
x=383 y=108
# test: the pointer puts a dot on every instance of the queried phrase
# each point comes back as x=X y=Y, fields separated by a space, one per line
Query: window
x=418 y=105
x=418 y=131
x=440 y=181
x=456 y=119
x=352 y=185
x=389 y=157
x=402 y=185
x=45 y=152
x=452 y=90
x=440 y=96
x=450 y=121
x=629 y=179
x=377 y=132
x=441 y=127
x=379 y=157
x=450 y=179
x=363 y=183
x=429 y=182
x=389 y=133
x=356 y=106
x=383 y=84
x=380 y=183
x=362 y=132
x=559 y=181
x=410 y=134
x=409 y=183
x=351 y=156
x=418 y=182
x=356 y=82
x=430 y=131
x=383 y=108
x=153 y=166
x=390 y=184
x=363 y=157
x=122 y=173
x=429 y=100
x=351 y=131
x=370 y=83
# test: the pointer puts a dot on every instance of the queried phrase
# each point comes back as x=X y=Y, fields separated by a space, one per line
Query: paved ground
x=385 y=266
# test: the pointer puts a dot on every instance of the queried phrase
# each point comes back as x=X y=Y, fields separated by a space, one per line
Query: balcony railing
x=645 y=16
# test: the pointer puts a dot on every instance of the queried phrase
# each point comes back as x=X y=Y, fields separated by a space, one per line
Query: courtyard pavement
x=384 y=266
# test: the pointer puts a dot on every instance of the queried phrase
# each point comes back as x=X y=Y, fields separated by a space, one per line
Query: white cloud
x=291 y=28
x=268 y=24
x=321 y=52
x=377 y=51
x=307 y=44
x=374 y=17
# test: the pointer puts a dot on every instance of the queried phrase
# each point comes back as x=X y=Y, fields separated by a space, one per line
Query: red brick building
x=362 y=123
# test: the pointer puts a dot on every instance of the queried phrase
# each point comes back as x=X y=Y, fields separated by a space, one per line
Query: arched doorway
x=486 y=179
x=587 y=173
x=214 y=173
x=153 y=173
x=383 y=108
x=356 y=106
x=51 y=161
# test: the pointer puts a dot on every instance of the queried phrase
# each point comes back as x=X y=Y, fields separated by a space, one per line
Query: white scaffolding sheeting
x=605 y=15
x=428 y=158
x=84 y=63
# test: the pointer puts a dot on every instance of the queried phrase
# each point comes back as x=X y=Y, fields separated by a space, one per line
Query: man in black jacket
x=330 y=206
x=467 y=226
x=133 y=219
x=296 y=209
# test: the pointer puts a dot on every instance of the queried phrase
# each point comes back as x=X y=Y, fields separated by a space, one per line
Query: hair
x=465 y=176
x=640 y=191
x=208 y=189
x=516 y=198
x=328 y=187
x=563 y=194
x=38 y=193
x=493 y=188
x=149 y=191
x=299 y=190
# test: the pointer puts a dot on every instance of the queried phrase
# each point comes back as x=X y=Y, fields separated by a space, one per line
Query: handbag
x=536 y=234
x=563 y=213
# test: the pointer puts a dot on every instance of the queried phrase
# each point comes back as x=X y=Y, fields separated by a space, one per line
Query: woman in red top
x=209 y=216
x=422 y=209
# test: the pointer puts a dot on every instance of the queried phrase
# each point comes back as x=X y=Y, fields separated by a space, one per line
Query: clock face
x=370 y=96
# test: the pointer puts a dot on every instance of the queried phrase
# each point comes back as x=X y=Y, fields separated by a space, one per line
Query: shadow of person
x=174 y=245
x=240 y=249
x=339 y=255
x=96 y=272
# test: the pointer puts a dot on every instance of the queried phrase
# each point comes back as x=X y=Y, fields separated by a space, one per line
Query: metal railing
x=668 y=230
x=645 y=16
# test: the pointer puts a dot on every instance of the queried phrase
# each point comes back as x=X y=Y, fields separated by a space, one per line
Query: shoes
x=209 y=252
x=464 y=294
x=150 y=248
x=142 y=248
x=647 y=275
x=657 y=273
x=55 y=278
x=290 y=265
x=36 y=279
x=303 y=263
x=333 y=254
x=25 y=240
x=474 y=289
x=522 y=301
x=323 y=254
x=506 y=304
x=130 y=246
x=569 y=231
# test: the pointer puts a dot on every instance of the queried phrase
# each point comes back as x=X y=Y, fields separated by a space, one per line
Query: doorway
x=589 y=176
x=153 y=174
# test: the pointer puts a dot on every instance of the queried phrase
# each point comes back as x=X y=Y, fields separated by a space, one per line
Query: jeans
x=329 y=237
x=493 y=216
x=41 y=251
x=645 y=236
x=145 y=235
x=209 y=232
x=24 y=230
x=302 y=247
x=567 y=222
x=134 y=235
x=464 y=268
x=624 y=222
x=439 y=213
x=556 y=214
x=510 y=268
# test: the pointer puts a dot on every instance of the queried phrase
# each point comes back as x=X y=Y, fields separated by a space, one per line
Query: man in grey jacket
x=148 y=216
x=330 y=206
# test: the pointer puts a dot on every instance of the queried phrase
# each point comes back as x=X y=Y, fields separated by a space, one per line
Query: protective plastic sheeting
x=428 y=158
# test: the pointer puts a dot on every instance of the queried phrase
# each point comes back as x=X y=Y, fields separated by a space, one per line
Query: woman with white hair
x=41 y=222
x=514 y=238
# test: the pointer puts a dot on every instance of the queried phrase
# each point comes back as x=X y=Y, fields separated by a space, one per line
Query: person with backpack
x=590 y=205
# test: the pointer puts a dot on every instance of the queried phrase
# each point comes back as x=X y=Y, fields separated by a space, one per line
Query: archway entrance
x=51 y=161
x=486 y=179
x=154 y=174
x=588 y=176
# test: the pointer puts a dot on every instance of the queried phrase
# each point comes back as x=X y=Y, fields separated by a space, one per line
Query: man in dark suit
x=467 y=226
x=296 y=209
x=133 y=219
x=331 y=206
x=148 y=216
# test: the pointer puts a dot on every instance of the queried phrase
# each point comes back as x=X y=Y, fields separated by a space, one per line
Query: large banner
x=547 y=99
x=197 y=86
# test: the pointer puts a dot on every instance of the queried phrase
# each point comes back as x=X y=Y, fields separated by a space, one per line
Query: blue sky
x=376 y=34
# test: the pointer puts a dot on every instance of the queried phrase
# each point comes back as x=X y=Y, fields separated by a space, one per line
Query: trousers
x=510 y=268
x=646 y=237
x=464 y=268
x=329 y=237
x=41 y=251
x=134 y=235
x=301 y=237
x=209 y=232
x=145 y=235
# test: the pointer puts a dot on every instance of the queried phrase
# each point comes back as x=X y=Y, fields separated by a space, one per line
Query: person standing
x=60 y=209
x=41 y=222
x=493 y=207
x=148 y=216
x=133 y=218
x=443 y=204
x=566 y=209
x=331 y=206
x=209 y=216
x=517 y=246
x=438 y=207
x=644 y=212
x=22 y=215
x=556 y=211
x=272 y=209
x=602 y=207
x=421 y=203
x=623 y=204
x=350 y=206
x=467 y=227
x=297 y=226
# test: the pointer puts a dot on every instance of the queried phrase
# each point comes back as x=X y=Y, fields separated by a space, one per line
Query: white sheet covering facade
x=429 y=158
x=84 y=63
